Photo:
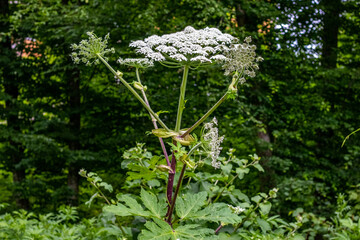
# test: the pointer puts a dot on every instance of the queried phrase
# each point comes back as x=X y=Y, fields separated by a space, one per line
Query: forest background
x=57 y=117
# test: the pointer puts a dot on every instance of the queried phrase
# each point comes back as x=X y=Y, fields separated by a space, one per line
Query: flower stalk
x=181 y=105
x=132 y=90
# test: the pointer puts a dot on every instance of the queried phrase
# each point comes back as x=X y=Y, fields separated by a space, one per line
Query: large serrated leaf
x=130 y=208
x=190 y=204
x=161 y=230
x=217 y=212
x=151 y=202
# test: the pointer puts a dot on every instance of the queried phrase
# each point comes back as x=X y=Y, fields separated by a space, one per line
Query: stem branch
x=206 y=115
x=132 y=90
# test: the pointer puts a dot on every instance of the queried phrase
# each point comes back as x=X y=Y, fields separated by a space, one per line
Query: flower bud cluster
x=190 y=45
x=242 y=58
x=213 y=141
x=88 y=51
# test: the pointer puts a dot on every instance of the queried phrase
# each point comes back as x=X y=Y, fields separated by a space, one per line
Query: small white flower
x=236 y=210
x=213 y=141
x=201 y=59
x=136 y=62
x=218 y=58
x=178 y=57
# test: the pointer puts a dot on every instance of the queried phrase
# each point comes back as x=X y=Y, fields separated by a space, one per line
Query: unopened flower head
x=189 y=46
x=136 y=62
x=88 y=51
x=242 y=58
x=212 y=142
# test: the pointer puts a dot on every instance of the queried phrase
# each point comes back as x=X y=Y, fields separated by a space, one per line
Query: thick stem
x=206 y=115
x=153 y=120
x=182 y=98
x=170 y=185
x=132 y=90
x=176 y=194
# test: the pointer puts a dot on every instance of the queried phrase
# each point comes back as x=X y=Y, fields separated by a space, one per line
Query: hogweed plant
x=197 y=213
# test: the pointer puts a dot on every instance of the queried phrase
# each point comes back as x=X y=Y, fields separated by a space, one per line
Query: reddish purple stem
x=170 y=185
x=218 y=229
x=156 y=127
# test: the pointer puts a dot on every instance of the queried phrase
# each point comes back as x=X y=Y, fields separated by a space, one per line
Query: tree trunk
x=11 y=82
x=74 y=124
x=266 y=179
x=331 y=20
x=240 y=15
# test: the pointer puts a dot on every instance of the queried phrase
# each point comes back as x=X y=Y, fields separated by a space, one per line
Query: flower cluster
x=136 y=62
x=189 y=46
x=242 y=58
x=236 y=210
x=90 y=50
x=213 y=141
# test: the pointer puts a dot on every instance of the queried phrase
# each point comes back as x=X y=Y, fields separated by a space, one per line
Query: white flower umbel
x=242 y=58
x=187 y=47
x=212 y=142
x=88 y=51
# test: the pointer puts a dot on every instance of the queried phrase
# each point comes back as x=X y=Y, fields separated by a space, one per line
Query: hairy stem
x=153 y=120
x=132 y=90
x=181 y=105
x=101 y=193
x=170 y=184
x=176 y=194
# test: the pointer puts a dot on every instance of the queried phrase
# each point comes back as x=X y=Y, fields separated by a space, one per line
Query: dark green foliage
x=56 y=118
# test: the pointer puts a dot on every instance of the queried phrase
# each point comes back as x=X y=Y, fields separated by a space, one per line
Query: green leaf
x=242 y=171
x=189 y=204
x=153 y=183
x=88 y=203
x=151 y=202
x=264 y=225
x=106 y=186
x=265 y=207
x=130 y=208
x=161 y=230
x=217 y=212
x=164 y=133
x=256 y=198
x=259 y=167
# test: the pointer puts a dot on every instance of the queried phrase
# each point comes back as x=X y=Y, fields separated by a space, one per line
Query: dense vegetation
x=57 y=117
